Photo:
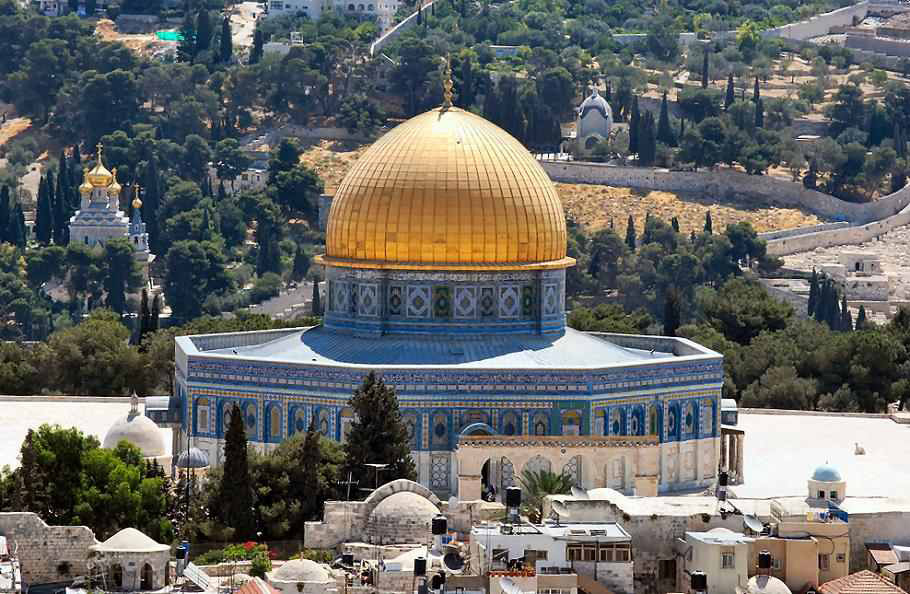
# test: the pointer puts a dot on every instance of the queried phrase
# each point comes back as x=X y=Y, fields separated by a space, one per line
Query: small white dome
x=137 y=429
x=130 y=540
x=301 y=570
x=402 y=517
x=766 y=584
x=826 y=474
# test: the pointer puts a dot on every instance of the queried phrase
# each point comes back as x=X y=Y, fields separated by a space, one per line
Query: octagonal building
x=446 y=268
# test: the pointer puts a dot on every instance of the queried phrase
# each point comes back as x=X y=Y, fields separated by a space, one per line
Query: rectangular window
x=833 y=495
x=590 y=552
x=574 y=552
x=728 y=561
x=605 y=554
x=821 y=494
x=841 y=558
x=824 y=562
x=666 y=569
x=776 y=564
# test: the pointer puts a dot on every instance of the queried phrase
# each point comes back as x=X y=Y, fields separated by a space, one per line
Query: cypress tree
x=756 y=95
x=16 y=230
x=692 y=236
x=222 y=194
x=186 y=49
x=317 y=305
x=846 y=318
x=759 y=113
x=151 y=183
x=31 y=483
x=61 y=202
x=377 y=435
x=144 y=316
x=634 y=123
x=156 y=313
x=671 y=312
x=256 y=50
x=730 y=97
x=235 y=495
x=44 y=223
x=77 y=160
x=709 y=227
x=682 y=128
x=5 y=213
x=647 y=140
x=227 y=46
x=664 y=131
x=813 y=292
x=704 y=69
x=203 y=31
x=646 y=232
x=630 y=233
x=674 y=222
x=861 y=322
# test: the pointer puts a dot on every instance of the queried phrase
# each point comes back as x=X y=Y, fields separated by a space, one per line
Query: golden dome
x=99 y=176
x=447 y=190
x=137 y=203
x=115 y=186
x=86 y=187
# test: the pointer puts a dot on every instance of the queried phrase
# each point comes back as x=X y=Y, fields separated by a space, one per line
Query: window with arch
x=541 y=424
x=653 y=427
x=689 y=417
x=599 y=422
x=410 y=426
x=571 y=422
x=275 y=421
x=249 y=418
x=511 y=424
x=323 y=425
x=227 y=409
x=440 y=431
x=616 y=422
x=117 y=575
x=203 y=410
x=671 y=421
x=635 y=423
x=707 y=417
x=297 y=420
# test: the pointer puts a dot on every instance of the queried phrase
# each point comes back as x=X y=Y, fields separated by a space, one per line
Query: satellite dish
x=561 y=510
x=579 y=493
x=753 y=524
x=453 y=562
x=508 y=586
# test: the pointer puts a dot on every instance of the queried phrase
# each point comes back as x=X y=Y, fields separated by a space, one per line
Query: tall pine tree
x=759 y=113
x=846 y=318
x=61 y=201
x=730 y=96
x=234 y=499
x=813 y=292
x=203 y=31
x=151 y=184
x=6 y=213
x=16 y=231
x=317 y=304
x=256 y=50
x=756 y=94
x=377 y=435
x=709 y=225
x=704 y=69
x=647 y=140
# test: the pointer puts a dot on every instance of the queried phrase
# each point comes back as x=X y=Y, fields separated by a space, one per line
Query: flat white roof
x=593 y=531
x=720 y=536
x=92 y=416
x=782 y=451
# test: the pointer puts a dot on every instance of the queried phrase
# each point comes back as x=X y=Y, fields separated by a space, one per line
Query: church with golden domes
x=99 y=218
x=445 y=268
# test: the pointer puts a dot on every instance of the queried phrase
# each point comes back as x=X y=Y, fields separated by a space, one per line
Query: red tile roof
x=257 y=586
x=862 y=582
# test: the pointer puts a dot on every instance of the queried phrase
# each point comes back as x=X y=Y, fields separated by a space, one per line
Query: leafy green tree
x=301 y=264
x=357 y=113
x=197 y=156
x=377 y=434
x=417 y=64
x=230 y=160
x=6 y=212
x=741 y=310
x=186 y=48
x=123 y=273
x=95 y=357
x=43 y=264
x=297 y=192
x=204 y=31
x=782 y=388
x=233 y=505
x=35 y=85
x=610 y=317
x=195 y=271
x=861 y=322
x=536 y=485
x=672 y=313
x=730 y=94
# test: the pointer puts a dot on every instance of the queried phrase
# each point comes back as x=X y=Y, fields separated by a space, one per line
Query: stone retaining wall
x=820 y=24
x=727 y=184
x=48 y=554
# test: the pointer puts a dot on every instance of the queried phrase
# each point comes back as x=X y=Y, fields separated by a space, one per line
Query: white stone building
x=130 y=561
x=721 y=554
x=600 y=551
x=593 y=122
x=383 y=11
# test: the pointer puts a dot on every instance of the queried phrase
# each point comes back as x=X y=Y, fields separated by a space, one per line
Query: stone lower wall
x=618 y=577
x=726 y=185
x=881 y=45
x=820 y=24
x=47 y=554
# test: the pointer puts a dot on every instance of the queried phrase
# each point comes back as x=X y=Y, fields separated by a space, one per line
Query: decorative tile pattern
x=410 y=425
x=509 y=302
x=572 y=468
x=506 y=474
x=511 y=424
x=340 y=301
x=487 y=302
x=368 y=300
x=442 y=302
x=551 y=300
x=527 y=301
x=418 y=302
x=465 y=302
x=395 y=300
x=439 y=472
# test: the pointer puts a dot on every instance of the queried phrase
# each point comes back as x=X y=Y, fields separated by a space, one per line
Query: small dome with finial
x=115 y=186
x=86 y=186
x=137 y=203
x=99 y=176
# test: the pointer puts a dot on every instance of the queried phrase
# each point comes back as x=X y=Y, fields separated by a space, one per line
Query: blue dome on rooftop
x=826 y=473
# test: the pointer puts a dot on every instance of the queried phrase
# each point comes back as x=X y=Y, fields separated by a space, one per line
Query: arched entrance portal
x=496 y=475
x=146 y=578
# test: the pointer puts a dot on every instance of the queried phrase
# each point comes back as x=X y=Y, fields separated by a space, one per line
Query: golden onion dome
x=446 y=190
x=99 y=176
x=137 y=203
x=115 y=186
x=86 y=186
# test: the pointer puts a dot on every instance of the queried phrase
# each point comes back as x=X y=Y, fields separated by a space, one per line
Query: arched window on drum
x=297 y=420
x=571 y=422
x=347 y=418
x=599 y=422
x=273 y=422
x=510 y=424
x=250 y=420
x=653 y=421
x=540 y=424
x=203 y=415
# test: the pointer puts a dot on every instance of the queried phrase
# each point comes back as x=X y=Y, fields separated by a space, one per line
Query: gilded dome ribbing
x=447 y=190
